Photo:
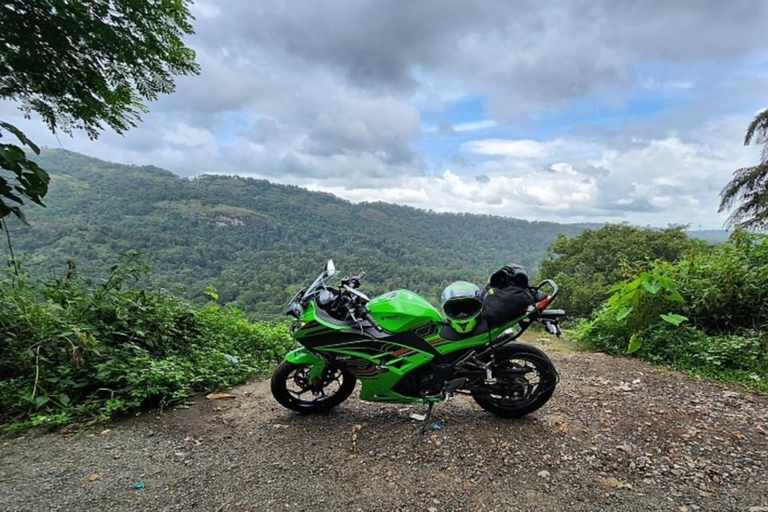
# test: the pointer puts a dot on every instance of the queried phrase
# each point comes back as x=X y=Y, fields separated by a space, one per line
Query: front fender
x=304 y=356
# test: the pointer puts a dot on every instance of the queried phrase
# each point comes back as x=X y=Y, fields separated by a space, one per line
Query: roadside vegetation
x=695 y=307
x=587 y=265
x=75 y=350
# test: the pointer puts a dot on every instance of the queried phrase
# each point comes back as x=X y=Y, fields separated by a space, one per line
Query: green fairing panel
x=302 y=356
x=402 y=310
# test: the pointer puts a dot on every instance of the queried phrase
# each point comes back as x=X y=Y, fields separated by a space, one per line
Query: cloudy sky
x=593 y=110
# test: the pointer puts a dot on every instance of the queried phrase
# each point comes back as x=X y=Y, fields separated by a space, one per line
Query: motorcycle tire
x=547 y=374
x=286 y=372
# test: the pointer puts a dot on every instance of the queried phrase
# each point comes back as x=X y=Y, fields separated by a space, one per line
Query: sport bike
x=403 y=350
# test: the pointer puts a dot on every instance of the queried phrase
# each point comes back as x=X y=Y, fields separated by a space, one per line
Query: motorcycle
x=403 y=350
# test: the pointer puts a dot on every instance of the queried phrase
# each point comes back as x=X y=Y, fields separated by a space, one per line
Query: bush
x=586 y=265
x=706 y=313
x=726 y=288
x=78 y=351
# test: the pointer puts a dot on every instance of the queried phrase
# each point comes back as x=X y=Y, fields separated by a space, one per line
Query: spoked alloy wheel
x=292 y=387
x=525 y=380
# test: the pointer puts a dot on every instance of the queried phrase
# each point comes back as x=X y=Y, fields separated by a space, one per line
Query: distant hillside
x=255 y=241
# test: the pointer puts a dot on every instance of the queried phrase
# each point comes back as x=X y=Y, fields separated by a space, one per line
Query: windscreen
x=320 y=282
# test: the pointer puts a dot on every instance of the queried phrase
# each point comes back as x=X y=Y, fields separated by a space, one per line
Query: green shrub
x=586 y=265
x=726 y=288
x=74 y=351
x=707 y=313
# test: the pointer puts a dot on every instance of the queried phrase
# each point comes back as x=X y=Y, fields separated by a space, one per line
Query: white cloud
x=656 y=182
x=534 y=195
x=523 y=148
x=654 y=83
x=475 y=125
x=563 y=167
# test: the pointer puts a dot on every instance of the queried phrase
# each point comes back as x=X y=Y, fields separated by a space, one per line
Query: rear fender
x=303 y=356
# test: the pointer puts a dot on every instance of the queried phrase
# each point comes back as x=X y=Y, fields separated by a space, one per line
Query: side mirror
x=330 y=268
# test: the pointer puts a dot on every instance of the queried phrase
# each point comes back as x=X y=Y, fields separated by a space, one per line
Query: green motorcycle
x=403 y=350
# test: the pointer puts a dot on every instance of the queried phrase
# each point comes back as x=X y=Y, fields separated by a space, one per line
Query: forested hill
x=255 y=241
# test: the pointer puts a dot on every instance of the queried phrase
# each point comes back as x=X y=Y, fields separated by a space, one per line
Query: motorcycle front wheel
x=525 y=381
x=292 y=388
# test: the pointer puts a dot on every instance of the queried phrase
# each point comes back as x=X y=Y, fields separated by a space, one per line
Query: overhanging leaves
x=20 y=178
x=84 y=65
x=623 y=313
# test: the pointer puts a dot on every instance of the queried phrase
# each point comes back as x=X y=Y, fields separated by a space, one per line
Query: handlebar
x=356 y=293
x=354 y=281
x=364 y=299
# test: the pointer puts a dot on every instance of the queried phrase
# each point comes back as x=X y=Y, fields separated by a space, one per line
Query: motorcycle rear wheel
x=291 y=388
x=526 y=394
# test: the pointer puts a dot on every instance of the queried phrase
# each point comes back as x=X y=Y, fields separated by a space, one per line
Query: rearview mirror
x=330 y=268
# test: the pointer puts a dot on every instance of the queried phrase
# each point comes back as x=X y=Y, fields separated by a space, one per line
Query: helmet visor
x=462 y=308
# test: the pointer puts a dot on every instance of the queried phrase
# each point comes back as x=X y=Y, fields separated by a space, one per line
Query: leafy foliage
x=726 y=288
x=586 y=265
x=707 y=312
x=75 y=350
x=258 y=242
x=747 y=193
x=638 y=305
x=81 y=64
x=19 y=177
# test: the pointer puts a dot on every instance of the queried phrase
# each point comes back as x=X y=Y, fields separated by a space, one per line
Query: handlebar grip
x=356 y=280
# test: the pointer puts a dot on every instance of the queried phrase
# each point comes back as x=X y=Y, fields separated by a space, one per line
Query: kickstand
x=427 y=418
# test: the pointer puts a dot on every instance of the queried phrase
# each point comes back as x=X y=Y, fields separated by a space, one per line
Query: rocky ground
x=618 y=435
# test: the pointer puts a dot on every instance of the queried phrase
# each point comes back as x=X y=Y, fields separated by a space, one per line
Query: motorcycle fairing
x=378 y=359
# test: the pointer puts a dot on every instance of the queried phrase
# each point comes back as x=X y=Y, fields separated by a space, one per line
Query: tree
x=586 y=265
x=747 y=193
x=83 y=66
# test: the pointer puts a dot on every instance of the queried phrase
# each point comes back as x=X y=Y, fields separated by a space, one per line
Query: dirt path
x=618 y=435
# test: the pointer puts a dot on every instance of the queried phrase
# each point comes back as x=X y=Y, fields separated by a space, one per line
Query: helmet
x=462 y=304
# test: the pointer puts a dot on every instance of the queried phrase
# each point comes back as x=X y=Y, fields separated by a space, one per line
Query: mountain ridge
x=257 y=241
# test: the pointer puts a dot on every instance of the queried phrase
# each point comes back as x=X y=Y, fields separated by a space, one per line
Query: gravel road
x=618 y=435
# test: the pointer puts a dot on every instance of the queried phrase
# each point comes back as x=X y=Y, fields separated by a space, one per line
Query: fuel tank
x=402 y=310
